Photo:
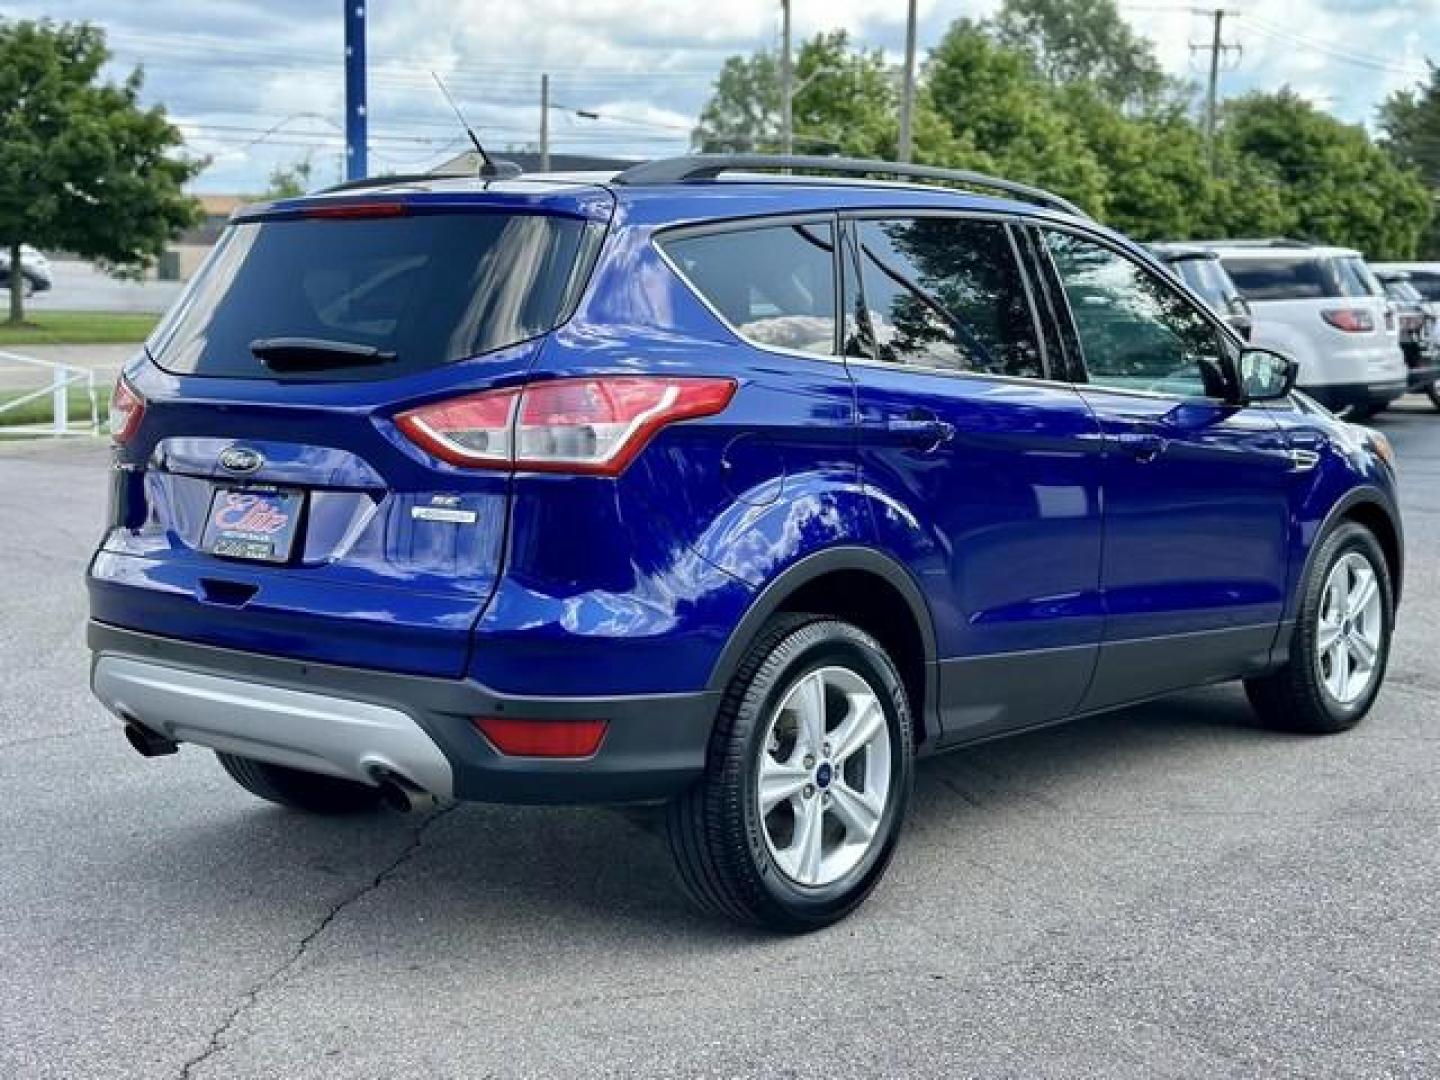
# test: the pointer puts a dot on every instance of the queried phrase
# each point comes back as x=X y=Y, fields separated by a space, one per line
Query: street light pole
x=907 y=92
x=356 y=121
x=545 y=123
x=787 y=136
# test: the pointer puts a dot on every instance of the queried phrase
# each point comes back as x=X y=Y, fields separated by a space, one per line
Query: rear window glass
x=1282 y=277
x=774 y=285
x=429 y=289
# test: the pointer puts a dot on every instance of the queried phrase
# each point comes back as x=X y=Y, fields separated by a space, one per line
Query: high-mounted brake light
x=587 y=425
x=356 y=210
x=1351 y=320
x=126 y=409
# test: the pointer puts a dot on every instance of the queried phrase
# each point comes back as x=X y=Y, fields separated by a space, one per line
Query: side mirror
x=1266 y=375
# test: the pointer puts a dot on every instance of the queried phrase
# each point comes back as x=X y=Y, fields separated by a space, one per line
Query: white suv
x=1324 y=307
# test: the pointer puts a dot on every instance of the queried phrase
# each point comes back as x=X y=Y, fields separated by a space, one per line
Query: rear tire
x=299 y=790
x=1341 y=641
x=1433 y=393
x=806 y=783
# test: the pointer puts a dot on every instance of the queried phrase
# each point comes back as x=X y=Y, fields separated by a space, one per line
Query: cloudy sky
x=258 y=83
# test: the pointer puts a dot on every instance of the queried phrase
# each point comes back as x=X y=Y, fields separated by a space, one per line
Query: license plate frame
x=253 y=524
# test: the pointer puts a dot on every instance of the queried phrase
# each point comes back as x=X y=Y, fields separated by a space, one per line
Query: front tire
x=1341 y=642
x=1433 y=393
x=299 y=790
x=806 y=783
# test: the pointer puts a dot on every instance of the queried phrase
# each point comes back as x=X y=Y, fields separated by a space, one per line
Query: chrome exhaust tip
x=148 y=743
x=404 y=797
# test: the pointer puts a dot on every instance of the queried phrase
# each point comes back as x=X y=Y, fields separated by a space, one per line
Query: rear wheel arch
x=863 y=587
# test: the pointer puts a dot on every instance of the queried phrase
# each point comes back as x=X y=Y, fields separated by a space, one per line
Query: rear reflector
x=542 y=738
x=588 y=425
x=126 y=409
x=1351 y=320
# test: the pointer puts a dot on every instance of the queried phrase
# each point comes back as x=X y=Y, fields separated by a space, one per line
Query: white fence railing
x=62 y=378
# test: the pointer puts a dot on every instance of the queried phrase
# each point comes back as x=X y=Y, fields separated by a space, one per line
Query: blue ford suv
x=718 y=483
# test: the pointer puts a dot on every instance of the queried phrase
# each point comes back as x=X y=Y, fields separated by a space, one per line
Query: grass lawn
x=39 y=410
x=78 y=328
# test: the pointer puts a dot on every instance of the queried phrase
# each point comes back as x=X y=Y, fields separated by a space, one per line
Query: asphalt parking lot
x=1169 y=891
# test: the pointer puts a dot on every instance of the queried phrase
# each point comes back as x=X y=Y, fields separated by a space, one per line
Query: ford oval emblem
x=240 y=459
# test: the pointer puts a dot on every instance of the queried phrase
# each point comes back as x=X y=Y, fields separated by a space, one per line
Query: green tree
x=82 y=166
x=1410 y=131
x=1004 y=117
x=1084 y=41
x=288 y=182
x=843 y=101
x=1158 y=182
x=1342 y=187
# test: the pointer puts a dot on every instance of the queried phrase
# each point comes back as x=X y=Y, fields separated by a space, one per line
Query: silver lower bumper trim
x=355 y=740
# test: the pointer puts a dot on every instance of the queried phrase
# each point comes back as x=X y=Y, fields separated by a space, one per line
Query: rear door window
x=945 y=293
x=426 y=289
x=774 y=284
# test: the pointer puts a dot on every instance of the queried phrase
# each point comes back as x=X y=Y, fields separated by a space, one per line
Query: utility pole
x=545 y=123
x=356 y=122
x=787 y=134
x=907 y=90
x=1217 y=48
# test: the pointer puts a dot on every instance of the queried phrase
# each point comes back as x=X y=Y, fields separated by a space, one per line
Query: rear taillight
x=1351 y=320
x=589 y=425
x=126 y=409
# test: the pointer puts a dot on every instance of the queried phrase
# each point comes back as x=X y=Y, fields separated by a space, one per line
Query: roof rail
x=679 y=170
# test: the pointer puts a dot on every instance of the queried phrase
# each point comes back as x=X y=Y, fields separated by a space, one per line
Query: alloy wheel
x=824 y=775
x=1351 y=633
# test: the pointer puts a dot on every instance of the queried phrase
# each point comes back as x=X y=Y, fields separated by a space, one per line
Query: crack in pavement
x=216 y=1041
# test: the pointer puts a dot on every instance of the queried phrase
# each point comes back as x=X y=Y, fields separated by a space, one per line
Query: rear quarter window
x=774 y=284
x=431 y=289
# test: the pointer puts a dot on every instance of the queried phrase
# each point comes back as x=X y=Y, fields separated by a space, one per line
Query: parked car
x=1419 y=340
x=1424 y=276
x=33 y=265
x=1324 y=307
x=731 y=491
x=1201 y=269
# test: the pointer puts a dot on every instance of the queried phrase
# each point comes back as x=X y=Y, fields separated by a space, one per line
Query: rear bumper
x=363 y=724
x=1337 y=397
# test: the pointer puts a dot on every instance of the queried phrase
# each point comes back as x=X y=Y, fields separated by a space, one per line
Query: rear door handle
x=1143 y=448
x=921 y=429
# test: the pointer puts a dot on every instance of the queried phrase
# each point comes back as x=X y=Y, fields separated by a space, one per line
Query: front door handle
x=1143 y=448
x=922 y=429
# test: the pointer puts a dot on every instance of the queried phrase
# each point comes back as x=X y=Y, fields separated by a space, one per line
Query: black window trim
x=1227 y=334
x=754 y=223
x=1010 y=221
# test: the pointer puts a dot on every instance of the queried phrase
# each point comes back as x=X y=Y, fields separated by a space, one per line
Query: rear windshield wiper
x=315 y=354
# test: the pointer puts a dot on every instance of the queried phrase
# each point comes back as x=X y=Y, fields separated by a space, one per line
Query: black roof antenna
x=488 y=167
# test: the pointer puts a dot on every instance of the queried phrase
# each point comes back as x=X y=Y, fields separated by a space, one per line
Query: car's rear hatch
x=266 y=500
